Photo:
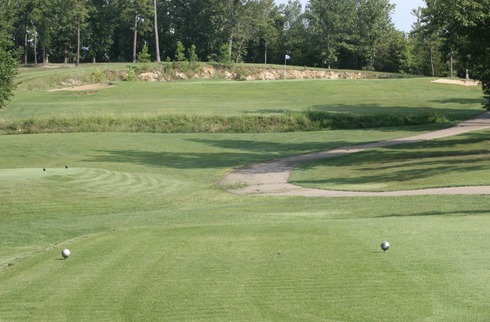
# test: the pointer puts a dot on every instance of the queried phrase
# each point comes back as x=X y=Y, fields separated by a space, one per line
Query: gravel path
x=271 y=178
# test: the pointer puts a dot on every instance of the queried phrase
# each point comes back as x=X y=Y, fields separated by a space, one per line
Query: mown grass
x=363 y=97
x=153 y=236
x=455 y=161
x=262 y=271
x=228 y=106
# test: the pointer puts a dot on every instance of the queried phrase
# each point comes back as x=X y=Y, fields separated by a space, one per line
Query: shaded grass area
x=152 y=235
x=463 y=160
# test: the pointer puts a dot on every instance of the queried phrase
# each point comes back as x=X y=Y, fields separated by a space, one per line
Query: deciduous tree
x=331 y=22
x=8 y=61
x=466 y=27
x=373 y=24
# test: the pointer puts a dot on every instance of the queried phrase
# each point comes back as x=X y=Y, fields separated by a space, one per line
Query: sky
x=401 y=18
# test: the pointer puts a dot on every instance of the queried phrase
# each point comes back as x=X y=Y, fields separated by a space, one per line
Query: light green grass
x=229 y=106
x=106 y=171
x=303 y=270
x=456 y=161
x=153 y=236
x=212 y=97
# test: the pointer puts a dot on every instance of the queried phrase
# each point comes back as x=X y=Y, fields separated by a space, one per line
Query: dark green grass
x=153 y=236
x=456 y=161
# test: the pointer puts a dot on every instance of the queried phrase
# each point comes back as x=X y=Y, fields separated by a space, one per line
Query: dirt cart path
x=271 y=178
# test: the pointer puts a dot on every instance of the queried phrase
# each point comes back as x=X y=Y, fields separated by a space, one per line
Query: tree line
x=348 y=34
x=354 y=34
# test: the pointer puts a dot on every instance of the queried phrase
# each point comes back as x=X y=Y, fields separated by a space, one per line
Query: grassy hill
x=154 y=237
x=217 y=105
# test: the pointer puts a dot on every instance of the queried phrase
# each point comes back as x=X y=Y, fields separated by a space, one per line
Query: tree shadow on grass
x=424 y=150
x=250 y=152
x=420 y=172
x=460 y=101
x=386 y=159
x=409 y=161
x=440 y=213
x=370 y=109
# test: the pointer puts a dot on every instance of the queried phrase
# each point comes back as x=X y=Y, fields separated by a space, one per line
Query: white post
x=285 y=61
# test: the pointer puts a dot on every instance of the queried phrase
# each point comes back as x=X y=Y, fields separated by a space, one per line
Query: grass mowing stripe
x=308 y=267
x=194 y=271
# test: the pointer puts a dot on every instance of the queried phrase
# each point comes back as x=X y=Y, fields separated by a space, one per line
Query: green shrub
x=241 y=73
x=130 y=75
x=224 y=57
x=98 y=75
x=143 y=55
x=193 y=59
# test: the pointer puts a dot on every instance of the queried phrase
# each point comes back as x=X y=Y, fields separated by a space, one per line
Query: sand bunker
x=87 y=87
x=457 y=82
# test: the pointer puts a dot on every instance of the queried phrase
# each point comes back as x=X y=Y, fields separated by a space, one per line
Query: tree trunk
x=135 y=37
x=371 y=59
x=239 y=55
x=35 y=46
x=78 y=41
x=432 y=62
x=230 y=46
x=45 y=55
x=451 y=67
x=157 y=45
x=26 y=33
x=265 y=54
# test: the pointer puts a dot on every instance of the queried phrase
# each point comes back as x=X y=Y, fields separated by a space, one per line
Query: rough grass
x=287 y=122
